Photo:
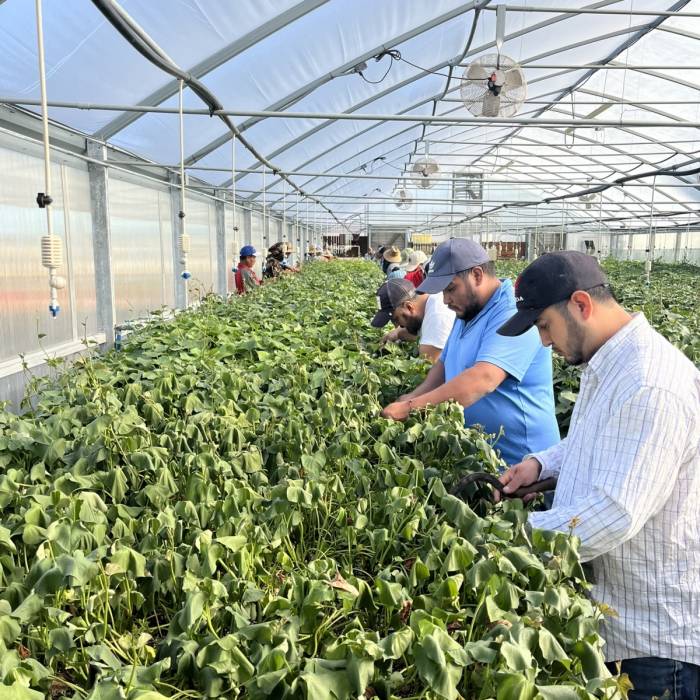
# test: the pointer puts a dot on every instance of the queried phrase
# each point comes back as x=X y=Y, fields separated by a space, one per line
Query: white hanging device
x=51 y=245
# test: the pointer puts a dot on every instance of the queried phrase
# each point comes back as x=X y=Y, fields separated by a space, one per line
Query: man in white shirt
x=628 y=471
x=417 y=316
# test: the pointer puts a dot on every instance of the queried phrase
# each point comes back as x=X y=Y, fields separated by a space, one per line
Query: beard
x=471 y=309
x=413 y=325
x=574 y=354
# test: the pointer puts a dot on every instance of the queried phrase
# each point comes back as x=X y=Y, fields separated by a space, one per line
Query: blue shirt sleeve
x=513 y=355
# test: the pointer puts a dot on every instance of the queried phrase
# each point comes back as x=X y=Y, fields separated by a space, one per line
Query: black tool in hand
x=484 y=477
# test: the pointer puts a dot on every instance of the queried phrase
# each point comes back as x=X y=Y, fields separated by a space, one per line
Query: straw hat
x=416 y=258
x=393 y=255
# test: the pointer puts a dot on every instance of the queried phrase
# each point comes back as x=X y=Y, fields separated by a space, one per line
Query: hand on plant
x=522 y=474
x=398 y=410
x=390 y=337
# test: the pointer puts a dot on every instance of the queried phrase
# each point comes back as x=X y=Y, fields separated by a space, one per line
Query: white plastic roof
x=298 y=56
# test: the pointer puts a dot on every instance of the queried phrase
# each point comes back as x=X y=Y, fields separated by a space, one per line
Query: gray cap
x=391 y=294
x=449 y=258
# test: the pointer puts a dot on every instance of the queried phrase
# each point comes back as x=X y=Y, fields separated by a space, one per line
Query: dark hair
x=489 y=269
x=602 y=293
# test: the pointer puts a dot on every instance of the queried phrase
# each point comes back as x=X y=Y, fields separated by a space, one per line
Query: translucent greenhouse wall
x=142 y=259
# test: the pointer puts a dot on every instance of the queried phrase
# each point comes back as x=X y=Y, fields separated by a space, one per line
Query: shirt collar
x=607 y=353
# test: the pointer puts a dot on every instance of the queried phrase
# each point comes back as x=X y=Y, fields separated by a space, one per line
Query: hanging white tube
x=233 y=195
x=51 y=245
x=650 y=241
x=266 y=231
x=185 y=242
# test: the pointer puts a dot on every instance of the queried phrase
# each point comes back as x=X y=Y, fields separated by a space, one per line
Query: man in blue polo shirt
x=504 y=386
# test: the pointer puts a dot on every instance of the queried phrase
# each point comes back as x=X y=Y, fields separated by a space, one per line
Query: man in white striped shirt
x=628 y=472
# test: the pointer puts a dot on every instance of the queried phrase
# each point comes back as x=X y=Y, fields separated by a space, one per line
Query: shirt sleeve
x=513 y=355
x=437 y=324
x=550 y=459
x=634 y=470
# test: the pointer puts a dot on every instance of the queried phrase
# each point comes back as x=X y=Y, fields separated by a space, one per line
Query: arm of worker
x=532 y=468
x=634 y=471
x=400 y=409
x=466 y=388
x=430 y=352
x=540 y=465
x=397 y=335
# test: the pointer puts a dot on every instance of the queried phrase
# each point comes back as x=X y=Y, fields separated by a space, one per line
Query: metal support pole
x=651 y=241
x=677 y=247
x=221 y=263
x=101 y=241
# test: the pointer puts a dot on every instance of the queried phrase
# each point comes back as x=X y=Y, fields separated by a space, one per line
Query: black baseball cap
x=552 y=278
x=449 y=258
x=390 y=295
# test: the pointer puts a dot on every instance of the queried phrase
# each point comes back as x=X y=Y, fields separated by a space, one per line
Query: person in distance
x=245 y=277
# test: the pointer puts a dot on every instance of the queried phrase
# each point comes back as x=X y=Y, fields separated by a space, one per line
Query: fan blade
x=477 y=72
x=514 y=79
x=491 y=105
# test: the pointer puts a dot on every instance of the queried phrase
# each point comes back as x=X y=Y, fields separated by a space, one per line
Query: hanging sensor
x=51 y=245
x=52 y=259
x=185 y=248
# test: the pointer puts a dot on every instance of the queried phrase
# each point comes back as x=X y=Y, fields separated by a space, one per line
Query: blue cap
x=248 y=251
x=449 y=258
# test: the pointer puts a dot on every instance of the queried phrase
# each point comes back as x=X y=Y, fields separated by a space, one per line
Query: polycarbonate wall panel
x=274 y=227
x=234 y=243
x=166 y=247
x=24 y=289
x=201 y=226
x=81 y=261
x=257 y=240
x=141 y=247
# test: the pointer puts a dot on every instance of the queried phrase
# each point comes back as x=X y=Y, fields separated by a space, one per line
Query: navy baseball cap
x=552 y=278
x=449 y=258
x=391 y=294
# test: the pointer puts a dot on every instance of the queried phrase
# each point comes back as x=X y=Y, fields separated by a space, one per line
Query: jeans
x=654 y=677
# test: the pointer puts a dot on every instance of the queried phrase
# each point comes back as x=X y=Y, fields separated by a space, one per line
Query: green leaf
x=550 y=647
x=16 y=691
x=233 y=543
x=592 y=662
x=517 y=657
x=61 y=639
x=515 y=687
x=397 y=644
x=557 y=692
x=127 y=560
x=389 y=593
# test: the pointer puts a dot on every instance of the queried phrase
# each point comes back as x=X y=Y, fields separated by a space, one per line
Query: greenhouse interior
x=262 y=379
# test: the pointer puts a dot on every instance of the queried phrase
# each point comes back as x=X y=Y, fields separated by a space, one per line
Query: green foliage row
x=219 y=511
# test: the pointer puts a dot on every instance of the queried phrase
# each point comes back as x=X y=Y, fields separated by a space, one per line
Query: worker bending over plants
x=422 y=317
x=245 y=277
x=504 y=384
x=628 y=472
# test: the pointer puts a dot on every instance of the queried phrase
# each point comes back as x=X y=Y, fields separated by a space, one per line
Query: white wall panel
x=201 y=226
x=141 y=246
x=24 y=290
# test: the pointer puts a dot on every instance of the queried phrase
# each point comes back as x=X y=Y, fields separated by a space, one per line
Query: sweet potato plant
x=218 y=511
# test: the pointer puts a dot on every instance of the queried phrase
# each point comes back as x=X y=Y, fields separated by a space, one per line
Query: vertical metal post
x=101 y=241
x=176 y=225
x=677 y=247
x=222 y=265
x=651 y=242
